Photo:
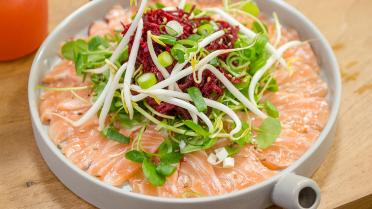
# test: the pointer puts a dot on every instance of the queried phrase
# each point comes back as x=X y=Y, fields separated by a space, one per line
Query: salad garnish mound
x=191 y=72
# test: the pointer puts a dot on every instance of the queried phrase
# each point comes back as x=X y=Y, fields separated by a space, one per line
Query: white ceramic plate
x=285 y=189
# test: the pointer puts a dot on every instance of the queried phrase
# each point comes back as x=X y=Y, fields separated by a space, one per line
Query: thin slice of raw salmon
x=289 y=147
x=247 y=171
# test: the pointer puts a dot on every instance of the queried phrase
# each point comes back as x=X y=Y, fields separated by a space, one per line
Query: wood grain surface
x=345 y=177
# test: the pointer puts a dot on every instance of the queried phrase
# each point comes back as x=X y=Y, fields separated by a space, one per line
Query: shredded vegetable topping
x=189 y=73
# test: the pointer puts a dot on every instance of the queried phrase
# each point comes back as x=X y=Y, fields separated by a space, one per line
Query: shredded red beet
x=154 y=21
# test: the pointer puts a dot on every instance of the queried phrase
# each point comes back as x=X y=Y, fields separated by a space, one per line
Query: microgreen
x=71 y=49
x=97 y=42
x=194 y=144
x=112 y=133
x=197 y=98
x=271 y=109
x=165 y=169
x=151 y=173
x=197 y=128
x=178 y=51
x=168 y=154
x=135 y=156
x=251 y=8
x=268 y=131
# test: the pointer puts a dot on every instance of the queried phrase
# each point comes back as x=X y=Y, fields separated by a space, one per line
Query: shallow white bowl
x=288 y=189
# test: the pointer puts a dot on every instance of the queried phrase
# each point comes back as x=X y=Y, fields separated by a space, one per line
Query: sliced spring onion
x=174 y=28
x=198 y=99
x=165 y=59
x=147 y=80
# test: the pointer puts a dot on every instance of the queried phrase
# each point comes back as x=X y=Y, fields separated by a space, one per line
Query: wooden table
x=345 y=177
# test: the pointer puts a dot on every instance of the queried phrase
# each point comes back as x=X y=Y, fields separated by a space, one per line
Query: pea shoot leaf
x=268 y=131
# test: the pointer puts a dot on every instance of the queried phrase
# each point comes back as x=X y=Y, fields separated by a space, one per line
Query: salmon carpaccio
x=301 y=101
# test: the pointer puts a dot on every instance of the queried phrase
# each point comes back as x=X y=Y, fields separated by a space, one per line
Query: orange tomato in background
x=23 y=27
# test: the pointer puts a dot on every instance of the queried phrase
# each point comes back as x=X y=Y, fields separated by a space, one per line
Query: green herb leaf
x=126 y=122
x=187 y=8
x=167 y=39
x=178 y=51
x=197 y=128
x=81 y=63
x=251 y=8
x=150 y=172
x=165 y=147
x=135 y=156
x=205 y=29
x=245 y=134
x=159 y=5
x=171 y=158
x=71 y=49
x=96 y=42
x=195 y=37
x=197 y=98
x=165 y=169
x=202 y=143
x=113 y=134
x=271 y=109
x=268 y=131
x=124 y=55
x=257 y=28
x=233 y=149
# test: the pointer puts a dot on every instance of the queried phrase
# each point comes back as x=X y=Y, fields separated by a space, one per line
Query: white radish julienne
x=173 y=79
x=94 y=109
x=258 y=75
x=185 y=96
x=125 y=40
x=233 y=90
x=189 y=107
x=179 y=66
x=110 y=95
x=278 y=30
x=154 y=58
x=126 y=94
x=182 y=4
x=246 y=31
x=209 y=39
x=123 y=43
